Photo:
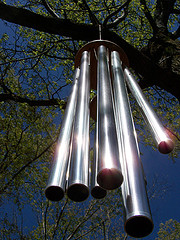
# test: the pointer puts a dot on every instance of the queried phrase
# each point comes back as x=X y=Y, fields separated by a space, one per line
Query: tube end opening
x=139 y=226
x=54 y=193
x=78 y=192
x=98 y=192
x=110 y=179
x=166 y=147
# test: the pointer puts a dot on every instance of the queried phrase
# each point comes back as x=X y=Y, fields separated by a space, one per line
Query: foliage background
x=36 y=71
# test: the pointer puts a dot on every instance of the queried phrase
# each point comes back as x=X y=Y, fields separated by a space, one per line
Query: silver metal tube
x=163 y=141
x=109 y=170
x=96 y=191
x=57 y=179
x=138 y=221
x=79 y=166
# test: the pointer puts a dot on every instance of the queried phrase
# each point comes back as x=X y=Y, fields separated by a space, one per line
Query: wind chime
x=103 y=65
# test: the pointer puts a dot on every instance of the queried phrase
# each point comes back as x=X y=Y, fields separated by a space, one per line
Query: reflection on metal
x=163 y=141
x=79 y=165
x=109 y=169
x=102 y=65
x=57 y=178
x=96 y=191
x=138 y=222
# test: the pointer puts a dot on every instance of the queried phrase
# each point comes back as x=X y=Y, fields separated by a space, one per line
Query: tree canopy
x=148 y=32
x=169 y=230
x=39 y=42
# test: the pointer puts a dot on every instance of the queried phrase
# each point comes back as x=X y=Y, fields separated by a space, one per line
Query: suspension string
x=100 y=32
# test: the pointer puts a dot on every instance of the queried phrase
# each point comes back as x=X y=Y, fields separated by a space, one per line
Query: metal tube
x=79 y=166
x=57 y=179
x=109 y=170
x=138 y=221
x=96 y=191
x=163 y=141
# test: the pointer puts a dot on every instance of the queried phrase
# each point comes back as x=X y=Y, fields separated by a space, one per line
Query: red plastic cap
x=166 y=147
x=110 y=179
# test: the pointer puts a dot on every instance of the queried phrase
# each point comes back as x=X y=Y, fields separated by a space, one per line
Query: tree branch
x=31 y=102
x=24 y=167
x=93 y=18
x=118 y=19
x=50 y=25
x=163 y=10
x=45 y=221
x=87 y=232
x=49 y=9
x=148 y=15
x=154 y=74
x=59 y=218
x=176 y=34
x=81 y=223
x=176 y=11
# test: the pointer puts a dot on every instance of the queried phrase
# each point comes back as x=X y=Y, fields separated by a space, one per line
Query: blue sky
x=167 y=173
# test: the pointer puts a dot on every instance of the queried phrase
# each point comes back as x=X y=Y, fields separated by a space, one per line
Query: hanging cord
x=100 y=32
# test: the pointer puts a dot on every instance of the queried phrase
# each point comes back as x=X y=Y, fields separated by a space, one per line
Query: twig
x=148 y=15
x=30 y=102
x=45 y=221
x=93 y=18
x=24 y=167
x=118 y=19
x=81 y=223
x=49 y=9
x=58 y=220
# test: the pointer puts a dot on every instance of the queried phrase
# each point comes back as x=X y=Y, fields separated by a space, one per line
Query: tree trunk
x=165 y=52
